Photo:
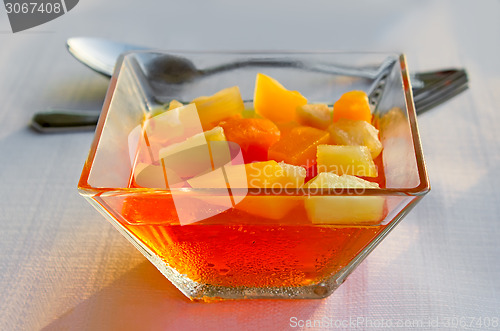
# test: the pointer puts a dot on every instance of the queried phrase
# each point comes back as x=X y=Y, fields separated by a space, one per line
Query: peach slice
x=273 y=101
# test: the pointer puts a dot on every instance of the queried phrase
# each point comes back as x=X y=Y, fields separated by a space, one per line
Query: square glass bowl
x=223 y=240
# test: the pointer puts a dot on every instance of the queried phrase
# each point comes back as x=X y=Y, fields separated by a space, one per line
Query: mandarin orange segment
x=353 y=105
x=253 y=135
x=299 y=147
x=273 y=101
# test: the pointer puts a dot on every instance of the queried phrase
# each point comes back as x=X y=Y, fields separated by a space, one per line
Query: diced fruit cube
x=215 y=108
x=276 y=176
x=214 y=134
x=253 y=135
x=286 y=128
x=299 y=146
x=279 y=177
x=349 y=132
x=267 y=174
x=273 y=101
x=197 y=154
x=353 y=105
x=270 y=174
x=362 y=210
x=315 y=115
x=160 y=110
x=174 y=104
x=350 y=160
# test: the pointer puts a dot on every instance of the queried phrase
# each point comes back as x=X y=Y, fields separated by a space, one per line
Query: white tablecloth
x=63 y=266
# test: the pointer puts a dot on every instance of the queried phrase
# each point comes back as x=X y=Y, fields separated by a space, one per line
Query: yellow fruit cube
x=279 y=177
x=174 y=104
x=273 y=101
x=349 y=132
x=350 y=160
x=316 y=115
x=356 y=210
x=197 y=154
x=223 y=104
x=269 y=174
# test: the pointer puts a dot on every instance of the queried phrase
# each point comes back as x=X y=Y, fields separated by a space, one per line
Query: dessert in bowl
x=271 y=176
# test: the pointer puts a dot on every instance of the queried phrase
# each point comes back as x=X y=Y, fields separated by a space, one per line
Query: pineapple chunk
x=278 y=176
x=160 y=110
x=273 y=101
x=349 y=132
x=174 y=104
x=223 y=104
x=197 y=154
x=350 y=160
x=269 y=174
x=315 y=115
x=360 y=210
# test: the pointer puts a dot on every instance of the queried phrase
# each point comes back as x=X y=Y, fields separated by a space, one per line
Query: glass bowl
x=224 y=240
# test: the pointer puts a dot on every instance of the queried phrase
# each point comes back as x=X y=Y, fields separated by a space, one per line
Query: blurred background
x=62 y=266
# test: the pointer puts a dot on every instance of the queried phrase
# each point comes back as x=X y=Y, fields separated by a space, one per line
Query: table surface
x=63 y=266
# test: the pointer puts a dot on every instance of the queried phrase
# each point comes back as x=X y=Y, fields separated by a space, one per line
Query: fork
x=433 y=88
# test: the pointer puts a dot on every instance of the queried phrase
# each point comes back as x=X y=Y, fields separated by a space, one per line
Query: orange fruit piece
x=299 y=147
x=353 y=105
x=273 y=101
x=253 y=135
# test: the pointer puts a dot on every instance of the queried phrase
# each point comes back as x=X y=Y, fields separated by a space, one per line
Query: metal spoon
x=101 y=55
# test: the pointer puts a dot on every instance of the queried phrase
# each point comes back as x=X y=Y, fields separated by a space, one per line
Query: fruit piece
x=279 y=177
x=161 y=109
x=353 y=105
x=267 y=174
x=349 y=132
x=273 y=101
x=270 y=174
x=174 y=104
x=350 y=160
x=365 y=210
x=315 y=115
x=286 y=128
x=215 y=134
x=197 y=154
x=299 y=146
x=215 y=108
x=253 y=135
